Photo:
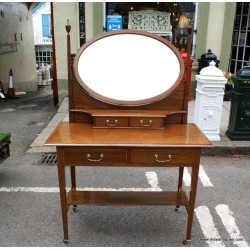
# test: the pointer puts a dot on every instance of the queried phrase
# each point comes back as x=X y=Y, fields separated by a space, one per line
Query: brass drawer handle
x=146 y=125
x=156 y=158
x=95 y=160
x=111 y=124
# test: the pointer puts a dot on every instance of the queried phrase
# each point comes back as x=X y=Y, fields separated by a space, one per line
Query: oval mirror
x=128 y=67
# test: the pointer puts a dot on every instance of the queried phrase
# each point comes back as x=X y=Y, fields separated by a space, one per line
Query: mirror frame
x=112 y=101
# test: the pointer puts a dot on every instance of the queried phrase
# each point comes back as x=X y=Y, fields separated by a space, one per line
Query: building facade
x=222 y=27
x=17 y=46
x=212 y=22
x=42 y=27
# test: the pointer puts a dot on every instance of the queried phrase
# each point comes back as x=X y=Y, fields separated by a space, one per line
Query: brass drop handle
x=111 y=124
x=161 y=161
x=146 y=125
x=95 y=160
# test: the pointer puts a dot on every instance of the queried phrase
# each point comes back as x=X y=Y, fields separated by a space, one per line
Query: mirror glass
x=128 y=68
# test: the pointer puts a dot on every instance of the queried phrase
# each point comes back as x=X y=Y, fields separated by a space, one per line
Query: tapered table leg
x=73 y=182
x=73 y=177
x=192 y=196
x=180 y=183
x=62 y=187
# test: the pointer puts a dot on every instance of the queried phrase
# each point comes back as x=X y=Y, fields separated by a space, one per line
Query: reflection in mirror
x=128 y=69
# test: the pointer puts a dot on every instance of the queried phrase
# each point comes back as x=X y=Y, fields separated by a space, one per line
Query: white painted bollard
x=209 y=99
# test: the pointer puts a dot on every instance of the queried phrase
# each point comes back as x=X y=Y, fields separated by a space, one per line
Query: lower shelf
x=120 y=198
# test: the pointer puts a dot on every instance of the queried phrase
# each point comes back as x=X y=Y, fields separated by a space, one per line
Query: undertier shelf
x=121 y=198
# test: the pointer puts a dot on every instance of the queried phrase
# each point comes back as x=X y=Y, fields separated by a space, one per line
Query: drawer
x=164 y=157
x=147 y=122
x=111 y=122
x=95 y=156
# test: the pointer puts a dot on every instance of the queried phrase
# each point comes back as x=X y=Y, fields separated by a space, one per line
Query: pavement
x=224 y=147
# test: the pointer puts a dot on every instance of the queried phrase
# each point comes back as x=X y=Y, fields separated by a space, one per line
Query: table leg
x=62 y=182
x=180 y=183
x=194 y=182
x=73 y=182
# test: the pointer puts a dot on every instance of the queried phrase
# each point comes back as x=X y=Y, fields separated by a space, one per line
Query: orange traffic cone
x=11 y=90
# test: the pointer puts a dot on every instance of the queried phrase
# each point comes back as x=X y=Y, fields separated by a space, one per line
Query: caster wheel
x=74 y=208
x=176 y=209
x=186 y=242
x=65 y=241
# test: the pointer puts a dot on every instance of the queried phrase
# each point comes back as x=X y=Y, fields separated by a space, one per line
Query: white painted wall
x=37 y=25
x=18 y=19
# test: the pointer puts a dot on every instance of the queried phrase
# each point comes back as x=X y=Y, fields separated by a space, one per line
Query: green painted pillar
x=202 y=24
x=227 y=35
x=98 y=17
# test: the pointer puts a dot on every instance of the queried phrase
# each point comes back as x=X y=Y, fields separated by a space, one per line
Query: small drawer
x=164 y=157
x=147 y=122
x=95 y=156
x=111 y=122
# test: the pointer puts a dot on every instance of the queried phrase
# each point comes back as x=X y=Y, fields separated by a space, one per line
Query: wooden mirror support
x=127 y=70
x=127 y=108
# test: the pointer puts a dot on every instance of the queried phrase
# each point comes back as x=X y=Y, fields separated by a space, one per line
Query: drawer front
x=147 y=122
x=164 y=157
x=111 y=122
x=95 y=156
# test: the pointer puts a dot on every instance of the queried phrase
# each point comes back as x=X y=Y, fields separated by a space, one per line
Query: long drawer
x=162 y=156
x=88 y=156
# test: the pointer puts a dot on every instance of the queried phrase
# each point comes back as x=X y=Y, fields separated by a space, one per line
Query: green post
x=227 y=35
x=202 y=23
x=98 y=17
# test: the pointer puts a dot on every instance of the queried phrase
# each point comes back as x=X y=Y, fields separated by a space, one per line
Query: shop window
x=154 y=17
x=240 y=52
x=43 y=55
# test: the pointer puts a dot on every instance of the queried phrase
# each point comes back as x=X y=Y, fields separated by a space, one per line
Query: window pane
x=247 y=55
x=237 y=23
x=239 y=65
x=239 y=7
x=248 y=39
x=232 y=66
x=235 y=37
x=244 y=23
x=245 y=8
x=242 y=38
x=240 y=53
x=45 y=24
x=234 y=51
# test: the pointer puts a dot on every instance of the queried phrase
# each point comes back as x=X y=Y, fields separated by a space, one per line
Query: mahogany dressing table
x=127 y=107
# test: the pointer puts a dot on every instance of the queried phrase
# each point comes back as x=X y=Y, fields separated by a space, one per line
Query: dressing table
x=127 y=108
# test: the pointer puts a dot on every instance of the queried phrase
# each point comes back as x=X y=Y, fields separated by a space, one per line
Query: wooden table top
x=173 y=135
